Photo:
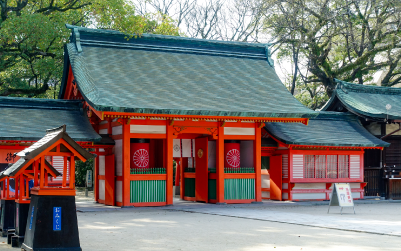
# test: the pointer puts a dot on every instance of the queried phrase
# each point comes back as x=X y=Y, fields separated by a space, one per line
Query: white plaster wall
x=103 y=131
x=117 y=130
x=119 y=191
x=102 y=165
x=155 y=129
x=265 y=194
x=246 y=153
x=265 y=181
x=309 y=196
x=356 y=195
x=101 y=189
x=309 y=186
x=285 y=196
x=118 y=152
x=391 y=128
x=354 y=185
x=239 y=131
x=186 y=148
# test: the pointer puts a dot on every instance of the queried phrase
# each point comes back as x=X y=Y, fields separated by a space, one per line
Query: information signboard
x=89 y=178
x=341 y=196
x=56 y=218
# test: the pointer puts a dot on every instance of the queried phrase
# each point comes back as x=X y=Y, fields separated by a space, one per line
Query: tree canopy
x=33 y=33
x=346 y=39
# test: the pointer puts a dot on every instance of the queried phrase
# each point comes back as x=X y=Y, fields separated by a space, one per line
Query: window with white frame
x=326 y=166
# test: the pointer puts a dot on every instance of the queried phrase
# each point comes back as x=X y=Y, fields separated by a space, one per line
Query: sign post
x=89 y=181
x=341 y=196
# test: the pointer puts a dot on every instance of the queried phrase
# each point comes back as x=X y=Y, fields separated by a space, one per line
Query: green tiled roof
x=28 y=119
x=158 y=74
x=328 y=129
x=367 y=101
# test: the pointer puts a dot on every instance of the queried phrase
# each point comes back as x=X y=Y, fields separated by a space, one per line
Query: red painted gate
x=276 y=179
x=109 y=197
x=201 y=169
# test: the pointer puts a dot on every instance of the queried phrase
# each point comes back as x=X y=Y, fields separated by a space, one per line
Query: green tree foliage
x=80 y=171
x=346 y=39
x=32 y=35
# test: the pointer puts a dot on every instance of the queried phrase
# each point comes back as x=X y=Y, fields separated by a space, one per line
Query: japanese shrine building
x=305 y=161
x=379 y=110
x=212 y=98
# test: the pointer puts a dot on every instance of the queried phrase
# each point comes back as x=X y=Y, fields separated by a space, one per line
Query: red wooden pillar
x=65 y=172
x=220 y=165
x=16 y=194
x=72 y=172
x=42 y=171
x=8 y=188
x=27 y=188
x=35 y=173
x=46 y=178
x=22 y=188
x=126 y=165
x=169 y=164
x=258 y=162
x=182 y=167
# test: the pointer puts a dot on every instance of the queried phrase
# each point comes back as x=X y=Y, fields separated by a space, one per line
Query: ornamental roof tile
x=367 y=101
x=27 y=119
x=328 y=129
x=157 y=74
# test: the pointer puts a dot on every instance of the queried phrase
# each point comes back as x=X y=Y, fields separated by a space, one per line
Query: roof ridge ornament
x=77 y=40
x=62 y=128
x=268 y=56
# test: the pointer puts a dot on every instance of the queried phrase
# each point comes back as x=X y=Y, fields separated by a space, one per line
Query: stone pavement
x=374 y=217
x=338 y=222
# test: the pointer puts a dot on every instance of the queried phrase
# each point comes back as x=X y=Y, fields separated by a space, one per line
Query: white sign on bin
x=341 y=196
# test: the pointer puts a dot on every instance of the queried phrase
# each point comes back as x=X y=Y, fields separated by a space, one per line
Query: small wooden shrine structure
x=7 y=205
x=22 y=195
x=151 y=92
x=58 y=229
x=23 y=121
x=305 y=161
x=379 y=110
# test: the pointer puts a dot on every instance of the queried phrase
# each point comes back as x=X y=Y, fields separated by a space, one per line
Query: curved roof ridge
x=158 y=36
x=346 y=86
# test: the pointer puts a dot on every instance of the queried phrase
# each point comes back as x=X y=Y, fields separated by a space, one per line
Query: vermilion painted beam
x=197 y=117
x=239 y=137
x=126 y=165
x=220 y=165
x=147 y=136
x=169 y=164
x=258 y=163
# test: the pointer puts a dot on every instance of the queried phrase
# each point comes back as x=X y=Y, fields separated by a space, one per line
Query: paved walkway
x=338 y=222
x=374 y=217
